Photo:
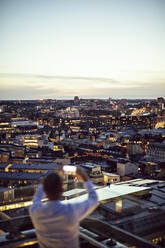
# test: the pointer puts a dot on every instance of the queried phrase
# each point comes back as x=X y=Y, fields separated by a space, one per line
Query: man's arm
x=83 y=209
x=38 y=196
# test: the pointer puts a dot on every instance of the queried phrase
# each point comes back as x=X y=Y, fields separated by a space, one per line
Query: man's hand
x=60 y=171
x=82 y=175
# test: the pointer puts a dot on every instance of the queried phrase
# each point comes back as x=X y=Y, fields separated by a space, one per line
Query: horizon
x=69 y=99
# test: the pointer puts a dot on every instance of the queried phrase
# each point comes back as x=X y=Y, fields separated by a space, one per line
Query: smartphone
x=69 y=169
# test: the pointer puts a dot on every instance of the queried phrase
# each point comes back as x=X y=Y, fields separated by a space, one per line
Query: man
x=109 y=183
x=56 y=223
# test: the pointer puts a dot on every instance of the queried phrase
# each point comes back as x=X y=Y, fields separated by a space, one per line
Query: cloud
x=43 y=82
x=28 y=86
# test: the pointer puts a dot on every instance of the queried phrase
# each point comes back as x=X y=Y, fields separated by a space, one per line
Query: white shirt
x=56 y=223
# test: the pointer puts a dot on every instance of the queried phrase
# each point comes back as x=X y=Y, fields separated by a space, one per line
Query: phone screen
x=69 y=168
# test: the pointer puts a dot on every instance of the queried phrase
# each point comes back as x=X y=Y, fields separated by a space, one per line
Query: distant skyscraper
x=160 y=101
x=76 y=100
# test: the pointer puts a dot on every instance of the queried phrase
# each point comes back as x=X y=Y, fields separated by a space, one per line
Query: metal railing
x=116 y=233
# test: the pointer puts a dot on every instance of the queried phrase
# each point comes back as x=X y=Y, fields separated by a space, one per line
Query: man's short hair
x=52 y=185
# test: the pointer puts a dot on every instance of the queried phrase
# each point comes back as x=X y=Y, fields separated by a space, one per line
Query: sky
x=59 y=49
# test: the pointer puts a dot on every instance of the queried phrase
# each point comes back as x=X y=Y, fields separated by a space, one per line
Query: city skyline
x=93 y=49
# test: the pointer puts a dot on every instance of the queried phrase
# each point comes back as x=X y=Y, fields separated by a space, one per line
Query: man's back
x=56 y=223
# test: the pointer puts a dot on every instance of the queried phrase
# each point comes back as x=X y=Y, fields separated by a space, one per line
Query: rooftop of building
x=33 y=166
x=20 y=176
x=157 y=144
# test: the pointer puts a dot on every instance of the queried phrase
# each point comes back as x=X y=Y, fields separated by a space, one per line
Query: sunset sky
x=90 y=48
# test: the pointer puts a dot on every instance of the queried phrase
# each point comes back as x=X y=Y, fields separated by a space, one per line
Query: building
x=110 y=177
x=160 y=102
x=23 y=173
x=127 y=168
x=133 y=149
x=156 y=151
x=141 y=215
x=76 y=100
x=94 y=172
